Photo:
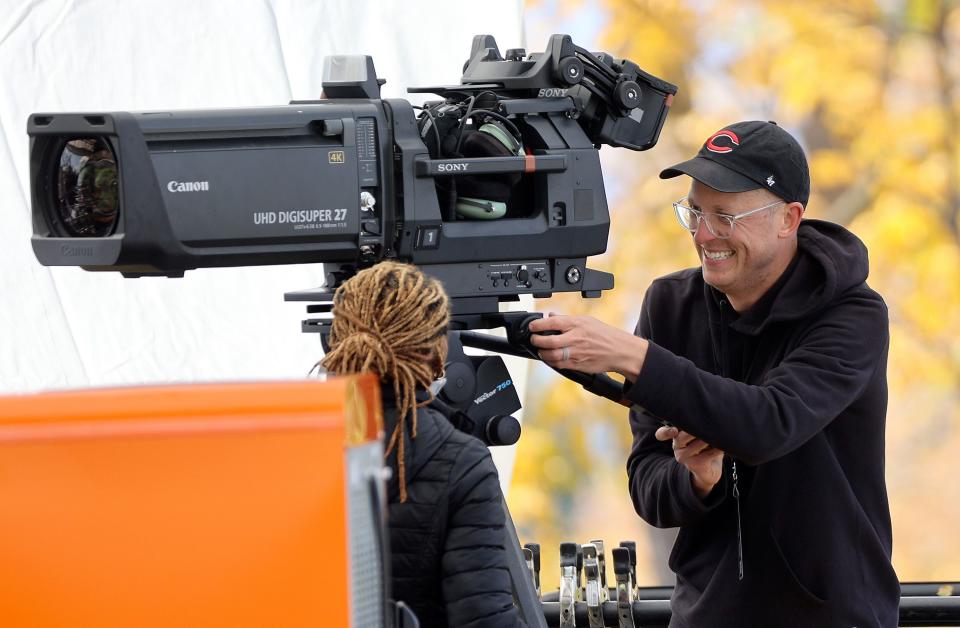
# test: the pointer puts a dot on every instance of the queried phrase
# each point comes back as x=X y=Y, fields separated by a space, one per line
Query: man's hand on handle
x=588 y=345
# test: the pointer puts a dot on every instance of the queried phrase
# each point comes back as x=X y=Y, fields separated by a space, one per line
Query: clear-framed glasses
x=720 y=225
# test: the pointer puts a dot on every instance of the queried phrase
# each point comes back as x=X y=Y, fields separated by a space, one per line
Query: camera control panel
x=516 y=276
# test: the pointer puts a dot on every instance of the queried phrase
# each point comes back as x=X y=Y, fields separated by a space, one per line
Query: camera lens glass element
x=88 y=192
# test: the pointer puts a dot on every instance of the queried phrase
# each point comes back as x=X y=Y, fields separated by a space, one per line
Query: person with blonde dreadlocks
x=447 y=536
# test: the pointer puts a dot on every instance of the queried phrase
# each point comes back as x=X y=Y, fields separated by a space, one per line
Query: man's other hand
x=704 y=462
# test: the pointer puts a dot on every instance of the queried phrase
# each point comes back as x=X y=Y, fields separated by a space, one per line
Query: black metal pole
x=926 y=610
x=933 y=610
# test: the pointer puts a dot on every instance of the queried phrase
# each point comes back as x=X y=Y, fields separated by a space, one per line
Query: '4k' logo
x=337 y=157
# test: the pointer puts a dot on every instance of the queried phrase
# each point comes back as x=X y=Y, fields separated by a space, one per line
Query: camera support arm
x=518 y=344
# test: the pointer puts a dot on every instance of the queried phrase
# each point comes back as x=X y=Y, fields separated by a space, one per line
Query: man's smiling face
x=747 y=263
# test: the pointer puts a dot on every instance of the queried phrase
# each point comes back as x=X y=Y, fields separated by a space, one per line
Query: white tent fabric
x=68 y=328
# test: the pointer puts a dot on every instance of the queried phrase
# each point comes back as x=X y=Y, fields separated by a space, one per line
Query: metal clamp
x=621 y=569
x=568 y=585
x=591 y=568
x=631 y=546
x=534 y=564
x=602 y=565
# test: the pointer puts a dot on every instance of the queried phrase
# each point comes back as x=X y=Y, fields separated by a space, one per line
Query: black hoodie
x=794 y=391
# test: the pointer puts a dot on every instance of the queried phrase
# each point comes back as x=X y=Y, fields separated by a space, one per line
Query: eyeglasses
x=720 y=225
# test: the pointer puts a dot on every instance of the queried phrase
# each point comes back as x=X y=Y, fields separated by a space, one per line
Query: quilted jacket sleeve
x=476 y=580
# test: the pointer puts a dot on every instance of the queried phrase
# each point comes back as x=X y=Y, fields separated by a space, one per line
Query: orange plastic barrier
x=195 y=505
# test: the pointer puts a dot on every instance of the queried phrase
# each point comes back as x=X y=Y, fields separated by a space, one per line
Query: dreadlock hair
x=391 y=320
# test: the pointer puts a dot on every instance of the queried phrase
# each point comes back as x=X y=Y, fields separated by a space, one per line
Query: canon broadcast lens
x=87 y=192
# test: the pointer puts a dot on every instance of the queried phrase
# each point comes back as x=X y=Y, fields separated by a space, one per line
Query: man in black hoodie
x=759 y=389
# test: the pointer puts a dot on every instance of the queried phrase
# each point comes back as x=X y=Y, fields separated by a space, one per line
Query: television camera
x=495 y=189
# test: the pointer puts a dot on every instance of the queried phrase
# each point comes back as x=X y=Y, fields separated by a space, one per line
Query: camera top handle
x=619 y=103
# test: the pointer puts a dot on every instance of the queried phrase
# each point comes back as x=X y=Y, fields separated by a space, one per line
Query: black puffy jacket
x=794 y=391
x=447 y=541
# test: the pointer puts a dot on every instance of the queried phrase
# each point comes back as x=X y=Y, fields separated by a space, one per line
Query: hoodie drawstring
x=736 y=497
x=733 y=463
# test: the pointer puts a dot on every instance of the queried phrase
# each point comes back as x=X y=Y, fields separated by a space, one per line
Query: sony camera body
x=496 y=189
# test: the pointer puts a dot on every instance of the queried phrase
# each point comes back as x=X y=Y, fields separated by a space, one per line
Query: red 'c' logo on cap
x=712 y=145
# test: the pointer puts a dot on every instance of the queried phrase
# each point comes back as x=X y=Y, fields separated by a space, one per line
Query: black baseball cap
x=748 y=156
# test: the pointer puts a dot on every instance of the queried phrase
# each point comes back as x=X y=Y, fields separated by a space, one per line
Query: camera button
x=427 y=238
